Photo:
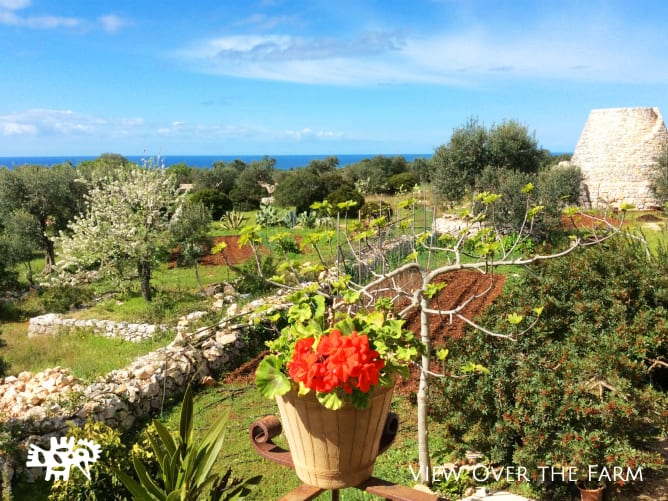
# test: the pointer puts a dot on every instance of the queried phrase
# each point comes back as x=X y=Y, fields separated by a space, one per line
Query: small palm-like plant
x=186 y=465
x=233 y=220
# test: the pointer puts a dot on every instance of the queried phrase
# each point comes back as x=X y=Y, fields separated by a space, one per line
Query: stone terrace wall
x=617 y=153
x=48 y=403
x=53 y=323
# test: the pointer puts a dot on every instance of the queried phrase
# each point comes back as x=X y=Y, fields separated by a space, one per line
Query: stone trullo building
x=617 y=153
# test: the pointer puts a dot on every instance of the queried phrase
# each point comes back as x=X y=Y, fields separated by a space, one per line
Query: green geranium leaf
x=380 y=347
x=360 y=400
x=406 y=353
x=269 y=379
x=376 y=318
x=331 y=400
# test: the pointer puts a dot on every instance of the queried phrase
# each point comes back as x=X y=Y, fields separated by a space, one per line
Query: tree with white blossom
x=125 y=228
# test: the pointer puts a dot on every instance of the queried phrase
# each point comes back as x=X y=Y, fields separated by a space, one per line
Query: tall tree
x=52 y=196
x=472 y=148
x=511 y=146
x=188 y=229
x=248 y=191
x=20 y=236
x=456 y=165
x=99 y=169
x=300 y=188
x=126 y=225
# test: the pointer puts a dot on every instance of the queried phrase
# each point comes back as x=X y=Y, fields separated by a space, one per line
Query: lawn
x=238 y=454
x=86 y=354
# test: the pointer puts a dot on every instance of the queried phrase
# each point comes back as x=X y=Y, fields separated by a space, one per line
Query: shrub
x=509 y=211
x=343 y=194
x=300 y=188
x=376 y=209
x=287 y=243
x=103 y=484
x=250 y=282
x=401 y=183
x=576 y=389
x=62 y=298
x=659 y=180
x=216 y=201
x=554 y=189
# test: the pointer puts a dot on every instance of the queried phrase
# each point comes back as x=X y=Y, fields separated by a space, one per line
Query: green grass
x=87 y=354
x=247 y=406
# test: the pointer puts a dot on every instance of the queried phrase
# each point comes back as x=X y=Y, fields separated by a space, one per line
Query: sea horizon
x=283 y=162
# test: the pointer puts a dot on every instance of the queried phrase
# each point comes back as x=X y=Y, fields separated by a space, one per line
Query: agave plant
x=233 y=220
x=185 y=465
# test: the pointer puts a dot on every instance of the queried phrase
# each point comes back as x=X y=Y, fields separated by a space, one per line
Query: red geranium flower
x=338 y=361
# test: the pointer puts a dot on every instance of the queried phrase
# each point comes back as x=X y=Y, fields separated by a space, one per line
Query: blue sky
x=316 y=77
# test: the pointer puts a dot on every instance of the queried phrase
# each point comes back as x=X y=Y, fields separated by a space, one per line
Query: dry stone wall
x=54 y=323
x=617 y=153
x=47 y=403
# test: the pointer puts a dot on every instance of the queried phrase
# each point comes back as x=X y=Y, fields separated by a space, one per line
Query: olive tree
x=248 y=192
x=473 y=148
x=457 y=164
x=20 y=236
x=50 y=195
x=126 y=225
x=188 y=229
x=511 y=146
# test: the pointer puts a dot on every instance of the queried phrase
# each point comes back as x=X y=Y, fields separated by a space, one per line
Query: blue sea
x=283 y=162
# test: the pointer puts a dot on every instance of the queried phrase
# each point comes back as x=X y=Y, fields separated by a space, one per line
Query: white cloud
x=9 y=128
x=14 y=4
x=273 y=48
x=45 y=122
x=471 y=56
x=8 y=17
x=69 y=132
x=308 y=133
x=265 y=22
x=112 y=23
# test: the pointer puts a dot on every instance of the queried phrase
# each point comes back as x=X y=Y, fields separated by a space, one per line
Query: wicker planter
x=591 y=494
x=333 y=449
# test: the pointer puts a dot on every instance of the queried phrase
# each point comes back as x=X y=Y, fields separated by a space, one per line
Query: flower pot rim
x=377 y=391
x=590 y=489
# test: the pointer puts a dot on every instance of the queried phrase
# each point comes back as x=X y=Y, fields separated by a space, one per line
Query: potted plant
x=333 y=383
x=590 y=490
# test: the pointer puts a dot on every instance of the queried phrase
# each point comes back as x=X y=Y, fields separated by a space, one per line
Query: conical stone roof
x=617 y=153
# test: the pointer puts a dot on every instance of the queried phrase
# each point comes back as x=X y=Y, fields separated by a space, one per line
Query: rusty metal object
x=262 y=432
